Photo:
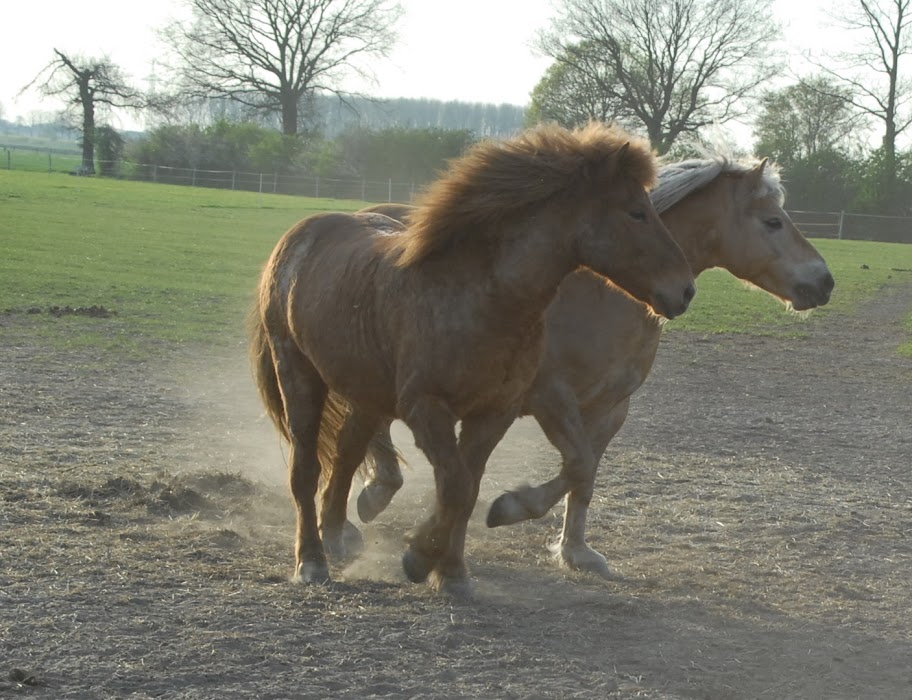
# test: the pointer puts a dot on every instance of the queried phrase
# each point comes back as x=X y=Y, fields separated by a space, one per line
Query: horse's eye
x=638 y=215
x=775 y=223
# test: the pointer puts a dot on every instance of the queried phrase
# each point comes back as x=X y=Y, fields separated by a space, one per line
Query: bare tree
x=886 y=28
x=272 y=54
x=675 y=65
x=86 y=84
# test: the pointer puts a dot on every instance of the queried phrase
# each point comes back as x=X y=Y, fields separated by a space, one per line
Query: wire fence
x=815 y=224
x=388 y=190
x=856 y=227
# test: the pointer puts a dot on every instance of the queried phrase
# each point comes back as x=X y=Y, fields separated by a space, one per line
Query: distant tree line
x=257 y=86
x=404 y=154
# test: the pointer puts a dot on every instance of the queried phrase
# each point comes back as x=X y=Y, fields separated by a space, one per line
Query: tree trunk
x=289 y=115
x=889 y=174
x=88 y=128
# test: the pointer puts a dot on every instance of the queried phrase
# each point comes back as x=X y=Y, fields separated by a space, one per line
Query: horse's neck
x=531 y=259
x=696 y=225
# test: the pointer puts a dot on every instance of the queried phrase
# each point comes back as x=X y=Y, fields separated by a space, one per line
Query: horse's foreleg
x=556 y=409
x=571 y=549
x=340 y=537
x=303 y=394
x=433 y=425
x=384 y=476
x=478 y=437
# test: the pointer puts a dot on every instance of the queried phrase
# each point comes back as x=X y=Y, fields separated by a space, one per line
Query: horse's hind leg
x=340 y=537
x=303 y=394
x=571 y=549
x=556 y=409
x=384 y=476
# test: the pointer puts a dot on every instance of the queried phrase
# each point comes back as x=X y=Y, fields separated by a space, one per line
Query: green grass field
x=179 y=265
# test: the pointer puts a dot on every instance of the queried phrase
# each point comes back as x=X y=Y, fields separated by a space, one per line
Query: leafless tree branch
x=271 y=54
x=676 y=65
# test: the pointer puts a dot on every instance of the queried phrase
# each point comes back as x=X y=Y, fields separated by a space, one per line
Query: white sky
x=471 y=50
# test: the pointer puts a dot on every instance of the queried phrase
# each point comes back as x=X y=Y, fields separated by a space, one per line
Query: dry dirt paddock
x=757 y=506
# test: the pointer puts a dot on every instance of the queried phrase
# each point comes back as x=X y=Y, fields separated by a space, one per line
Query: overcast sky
x=471 y=50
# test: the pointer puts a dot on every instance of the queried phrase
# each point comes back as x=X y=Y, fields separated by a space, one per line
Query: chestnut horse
x=600 y=344
x=444 y=321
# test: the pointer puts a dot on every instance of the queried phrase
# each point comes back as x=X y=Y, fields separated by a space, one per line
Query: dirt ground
x=757 y=506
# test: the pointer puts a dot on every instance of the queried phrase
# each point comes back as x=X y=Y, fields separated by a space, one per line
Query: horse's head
x=622 y=237
x=760 y=244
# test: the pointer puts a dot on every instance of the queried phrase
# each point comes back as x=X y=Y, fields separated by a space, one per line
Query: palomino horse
x=600 y=345
x=444 y=322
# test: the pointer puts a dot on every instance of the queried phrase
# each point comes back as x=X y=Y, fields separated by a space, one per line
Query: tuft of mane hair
x=678 y=180
x=498 y=179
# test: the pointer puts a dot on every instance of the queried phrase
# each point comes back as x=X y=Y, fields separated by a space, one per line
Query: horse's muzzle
x=673 y=307
x=810 y=296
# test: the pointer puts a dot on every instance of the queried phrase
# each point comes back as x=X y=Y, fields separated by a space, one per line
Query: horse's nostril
x=689 y=293
x=829 y=282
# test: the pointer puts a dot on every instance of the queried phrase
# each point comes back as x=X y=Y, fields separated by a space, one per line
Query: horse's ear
x=611 y=165
x=755 y=175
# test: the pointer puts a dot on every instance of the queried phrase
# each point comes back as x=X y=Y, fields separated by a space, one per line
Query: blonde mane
x=678 y=180
x=495 y=180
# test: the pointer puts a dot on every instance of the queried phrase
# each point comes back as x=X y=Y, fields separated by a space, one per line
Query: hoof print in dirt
x=20 y=677
x=99 y=517
x=180 y=499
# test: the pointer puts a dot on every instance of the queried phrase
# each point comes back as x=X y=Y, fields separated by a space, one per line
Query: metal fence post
x=317 y=187
x=261 y=183
x=841 y=219
x=389 y=191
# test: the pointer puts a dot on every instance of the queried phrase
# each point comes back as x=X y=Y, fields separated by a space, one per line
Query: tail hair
x=336 y=410
x=264 y=372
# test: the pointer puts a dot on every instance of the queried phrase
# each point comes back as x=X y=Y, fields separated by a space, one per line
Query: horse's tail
x=335 y=411
x=267 y=381
x=380 y=453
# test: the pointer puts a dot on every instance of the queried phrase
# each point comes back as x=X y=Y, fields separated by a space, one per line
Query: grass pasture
x=756 y=504
x=179 y=265
x=174 y=264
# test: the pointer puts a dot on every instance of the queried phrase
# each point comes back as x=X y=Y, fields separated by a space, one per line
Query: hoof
x=346 y=544
x=417 y=566
x=583 y=559
x=352 y=539
x=506 y=510
x=311 y=572
x=373 y=500
x=459 y=587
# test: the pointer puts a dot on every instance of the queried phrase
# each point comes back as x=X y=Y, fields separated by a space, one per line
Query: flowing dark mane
x=496 y=179
x=678 y=180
